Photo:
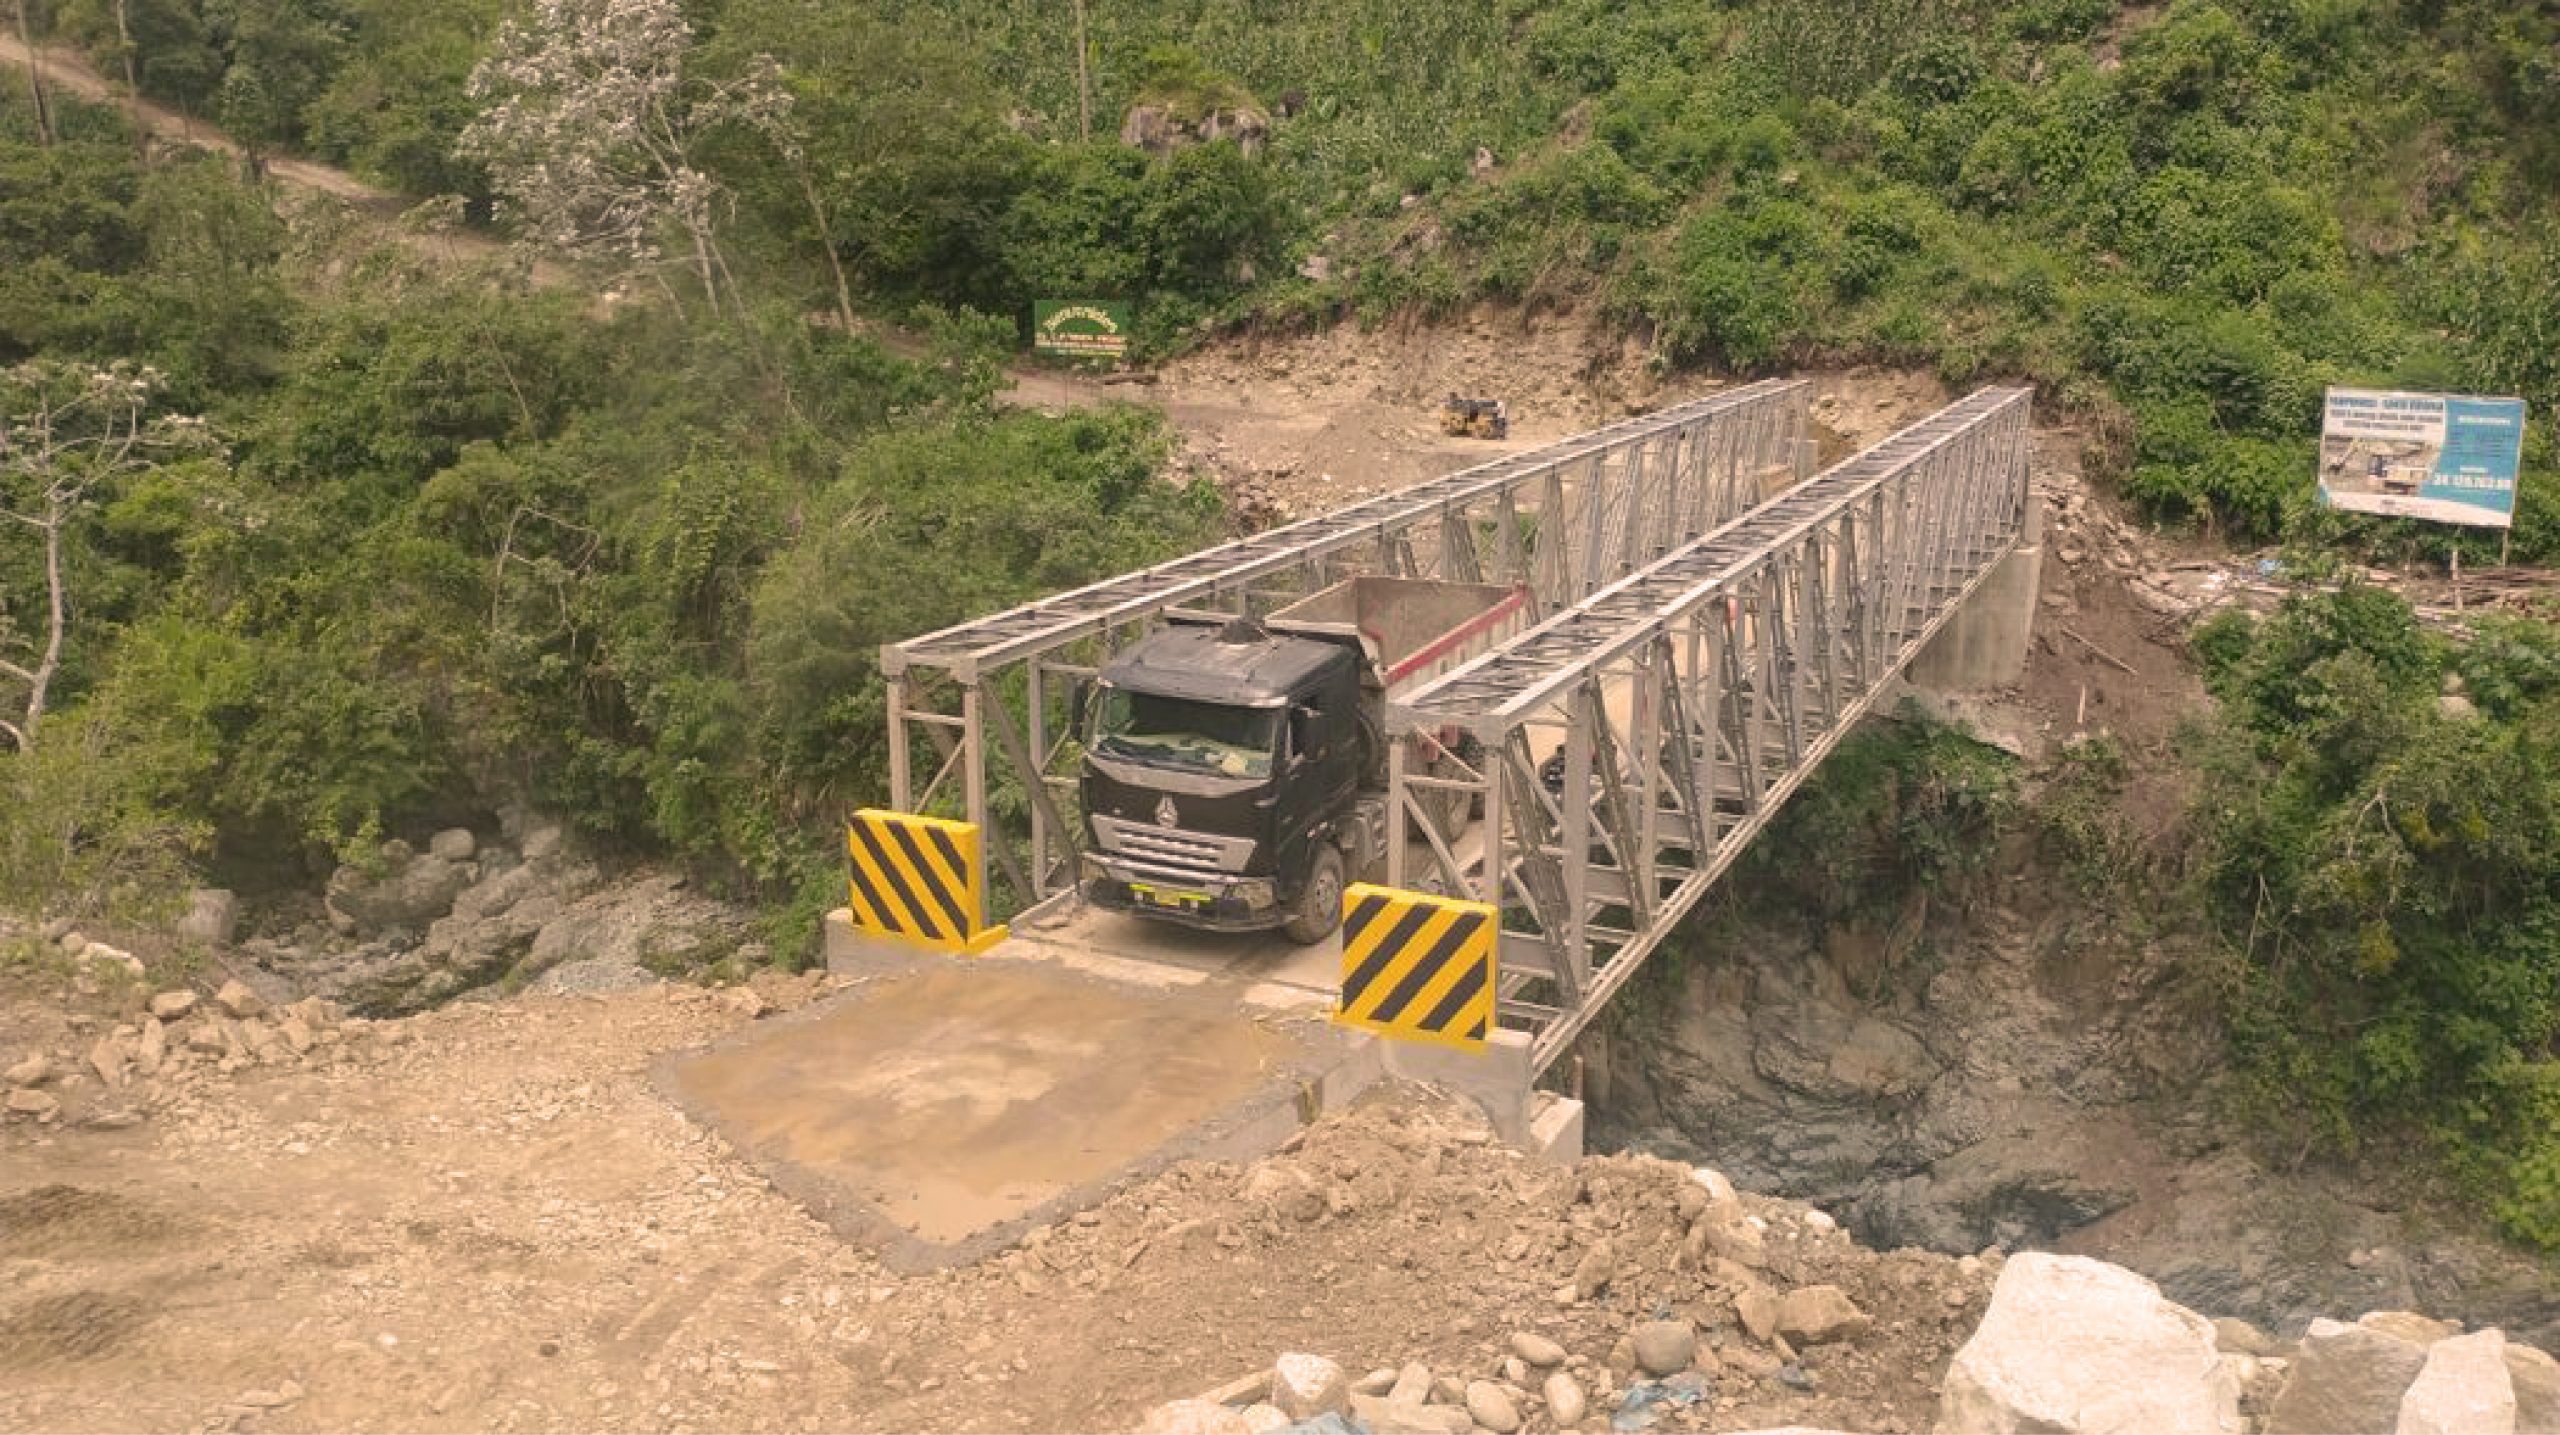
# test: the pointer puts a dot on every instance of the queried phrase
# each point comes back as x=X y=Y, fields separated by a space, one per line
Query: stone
x=1757 y=1309
x=2345 y=1378
x=2073 y=1346
x=2239 y=1337
x=1718 y=1189
x=1262 y=1419
x=236 y=999
x=1413 y=1385
x=296 y=1034
x=1818 y=1315
x=1565 y=1402
x=213 y=915
x=1384 y=1416
x=2454 y=707
x=72 y=942
x=169 y=1006
x=152 y=1048
x=1448 y=1390
x=28 y=1072
x=1490 y=1407
x=2535 y=1378
x=454 y=844
x=107 y=1057
x=1738 y=1241
x=1665 y=1347
x=1536 y=1349
x=39 y=1104
x=1194 y=1417
x=1591 y=1274
x=746 y=1002
x=208 y=1037
x=410 y=895
x=2419 y=1330
x=1305 y=1386
x=2463 y=1389
x=1376 y=1382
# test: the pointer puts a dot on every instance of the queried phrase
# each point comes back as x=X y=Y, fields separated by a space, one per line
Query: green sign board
x=1081 y=328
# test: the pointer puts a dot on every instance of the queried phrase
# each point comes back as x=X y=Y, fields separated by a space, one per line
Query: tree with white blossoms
x=67 y=432
x=592 y=127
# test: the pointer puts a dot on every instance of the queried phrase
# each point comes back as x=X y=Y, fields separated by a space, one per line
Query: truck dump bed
x=1412 y=629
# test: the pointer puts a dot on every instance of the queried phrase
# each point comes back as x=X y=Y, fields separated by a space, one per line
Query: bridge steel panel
x=1685 y=702
x=984 y=707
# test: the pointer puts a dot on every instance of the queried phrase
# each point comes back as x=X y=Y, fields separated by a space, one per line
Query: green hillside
x=347 y=542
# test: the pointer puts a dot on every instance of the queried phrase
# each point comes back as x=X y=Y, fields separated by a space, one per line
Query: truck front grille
x=1205 y=851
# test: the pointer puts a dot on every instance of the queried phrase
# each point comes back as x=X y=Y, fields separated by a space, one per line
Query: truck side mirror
x=1302 y=733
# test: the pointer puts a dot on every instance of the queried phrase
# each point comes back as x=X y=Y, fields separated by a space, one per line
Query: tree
x=592 y=129
x=65 y=431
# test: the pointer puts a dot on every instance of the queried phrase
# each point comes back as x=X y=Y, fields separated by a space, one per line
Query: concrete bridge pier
x=1984 y=643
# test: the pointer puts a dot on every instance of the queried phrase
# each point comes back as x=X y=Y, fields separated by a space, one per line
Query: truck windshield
x=1178 y=732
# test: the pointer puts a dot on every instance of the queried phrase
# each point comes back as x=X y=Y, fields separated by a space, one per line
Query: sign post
x=2445 y=457
x=1081 y=328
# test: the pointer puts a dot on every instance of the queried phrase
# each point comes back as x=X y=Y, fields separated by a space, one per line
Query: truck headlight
x=1258 y=893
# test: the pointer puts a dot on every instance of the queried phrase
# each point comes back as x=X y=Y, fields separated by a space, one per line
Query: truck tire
x=1320 y=905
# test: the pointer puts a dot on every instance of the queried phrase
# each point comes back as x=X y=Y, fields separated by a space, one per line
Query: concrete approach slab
x=935 y=1107
x=1278 y=972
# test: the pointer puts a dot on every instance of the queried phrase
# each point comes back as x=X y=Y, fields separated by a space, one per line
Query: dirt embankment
x=489 y=1218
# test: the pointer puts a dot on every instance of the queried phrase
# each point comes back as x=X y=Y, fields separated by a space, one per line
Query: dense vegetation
x=440 y=542
x=2185 y=221
x=2380 y=847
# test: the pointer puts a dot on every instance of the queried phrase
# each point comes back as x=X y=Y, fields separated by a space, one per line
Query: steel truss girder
x=992 y=698
x=1688 y=700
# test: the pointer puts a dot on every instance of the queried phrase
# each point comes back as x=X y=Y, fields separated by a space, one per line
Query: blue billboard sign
x=2450 y=458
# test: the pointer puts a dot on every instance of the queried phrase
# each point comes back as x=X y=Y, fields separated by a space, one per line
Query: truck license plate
x=1168 y=897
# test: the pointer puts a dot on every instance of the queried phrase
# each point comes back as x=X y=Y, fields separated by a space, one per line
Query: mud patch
x=75 y=1326
x=54 y=1219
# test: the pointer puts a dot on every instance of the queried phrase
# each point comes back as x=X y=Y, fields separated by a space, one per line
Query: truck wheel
x=1320 y=906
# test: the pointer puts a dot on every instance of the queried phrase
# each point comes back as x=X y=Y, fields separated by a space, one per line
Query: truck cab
x=1219 y=765
x=1235 y=771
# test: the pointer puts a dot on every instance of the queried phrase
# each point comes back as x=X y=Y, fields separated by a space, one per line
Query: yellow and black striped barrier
x=919 y=880
x=1417 y=967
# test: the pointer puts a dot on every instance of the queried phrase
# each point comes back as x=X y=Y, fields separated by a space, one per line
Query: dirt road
x=66 y=72
x=490 y=1218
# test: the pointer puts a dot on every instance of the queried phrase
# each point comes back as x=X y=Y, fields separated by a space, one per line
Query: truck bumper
x=1212 y=902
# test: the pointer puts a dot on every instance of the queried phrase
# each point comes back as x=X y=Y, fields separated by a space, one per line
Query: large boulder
x=408 y=896
x=2345 y=1380
x=2072 y=1346
x=212 y=916
x=2463 y=1389
x=2536 y=1380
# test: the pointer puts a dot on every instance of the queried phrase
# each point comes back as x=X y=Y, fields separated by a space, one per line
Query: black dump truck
x=1235 y=771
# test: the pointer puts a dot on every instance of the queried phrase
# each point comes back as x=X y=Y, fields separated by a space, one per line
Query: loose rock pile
x=1627 y=1293
x=111 y=1075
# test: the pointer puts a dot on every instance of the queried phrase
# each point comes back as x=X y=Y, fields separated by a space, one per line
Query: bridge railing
x=981 y=712
x=1635 y=742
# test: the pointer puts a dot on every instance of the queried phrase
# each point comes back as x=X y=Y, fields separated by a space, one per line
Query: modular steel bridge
x=1677 y=708
x=989 y=699
x=1698 y=647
